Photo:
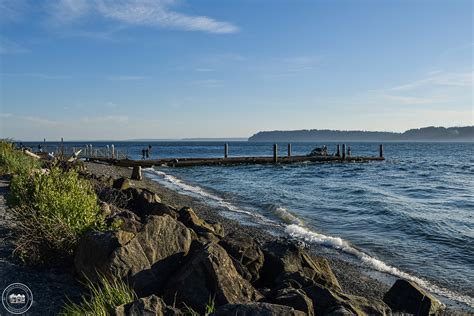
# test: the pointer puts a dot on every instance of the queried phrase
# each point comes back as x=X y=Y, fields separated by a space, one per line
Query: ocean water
x=410 y=216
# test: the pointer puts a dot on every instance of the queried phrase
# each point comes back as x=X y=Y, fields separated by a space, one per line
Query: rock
x=257 y=309
x=245 y=250
x=127 y=220
x=406 y=296
x=105 y=208
x=121 y=184
x=295 y=298
x=189 y=218
x=146 y=306
x=210 y=273
x=137 y=173
x=286 y=258
x=327 y=301
x=146 y=260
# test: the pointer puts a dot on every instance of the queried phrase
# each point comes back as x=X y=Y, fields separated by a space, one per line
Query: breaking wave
x=309 y=236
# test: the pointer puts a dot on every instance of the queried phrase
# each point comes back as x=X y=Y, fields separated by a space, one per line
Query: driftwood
x=74 y=156
x=29 y=153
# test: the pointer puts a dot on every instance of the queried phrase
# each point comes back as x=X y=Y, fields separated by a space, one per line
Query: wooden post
x=381 y=151
x=289 y=150
x=137 y=173
x=226 y=150
x=275 y=153
x=349 y=152
x=91 y=152
x=112 y=151
x=338 y=150
x=343 y=151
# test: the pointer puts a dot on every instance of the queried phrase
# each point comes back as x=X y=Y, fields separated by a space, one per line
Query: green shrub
x=14 y=161
x=102 y=299
x=51 y=211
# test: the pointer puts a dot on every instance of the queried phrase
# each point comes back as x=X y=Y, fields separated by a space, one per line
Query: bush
x=14 y=161
x=51 y=211
x=102 y=299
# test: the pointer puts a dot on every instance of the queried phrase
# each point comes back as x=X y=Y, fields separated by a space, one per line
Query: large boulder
x=210 y=273
x=295 y=298
x=257 y=309
x=247 y=252
x=284 y=258
x=407 y=297
x=189 y=218
x=146 y=258
x=329 y=301
x=121 y=184
x=146 y=306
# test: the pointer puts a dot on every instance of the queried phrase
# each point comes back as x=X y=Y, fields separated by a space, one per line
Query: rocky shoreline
x=179 y=252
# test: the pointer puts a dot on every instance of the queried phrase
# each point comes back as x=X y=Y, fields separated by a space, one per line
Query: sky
x=128 y=69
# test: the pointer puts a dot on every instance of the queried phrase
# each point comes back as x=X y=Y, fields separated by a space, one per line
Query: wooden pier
x=345 y=156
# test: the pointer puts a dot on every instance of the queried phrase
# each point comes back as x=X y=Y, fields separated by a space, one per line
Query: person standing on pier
x=147 y=153
x=143 y=153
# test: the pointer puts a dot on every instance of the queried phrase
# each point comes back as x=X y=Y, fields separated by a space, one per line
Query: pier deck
x=190 y=162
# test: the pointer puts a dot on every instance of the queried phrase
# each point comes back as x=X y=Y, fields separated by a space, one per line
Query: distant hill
x=459 y=134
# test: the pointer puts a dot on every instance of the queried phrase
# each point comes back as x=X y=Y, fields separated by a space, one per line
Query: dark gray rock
x=121 y=184
x=287 y=258
x=406 y=296
x=146 y=306
x=147 y=259
x=210 y=273
x=257 y=309
x=295 y=298
x=247 y=252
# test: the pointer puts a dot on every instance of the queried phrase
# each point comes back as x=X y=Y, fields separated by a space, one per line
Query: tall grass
x=52 y=210
x=103 y=298
x=14 y=161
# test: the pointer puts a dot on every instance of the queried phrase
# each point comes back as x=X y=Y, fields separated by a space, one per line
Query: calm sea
x=410 y=216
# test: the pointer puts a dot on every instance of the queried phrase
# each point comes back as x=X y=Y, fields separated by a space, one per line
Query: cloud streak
x=151 y=13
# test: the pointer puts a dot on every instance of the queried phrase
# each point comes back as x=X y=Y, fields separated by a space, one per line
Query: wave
x=285 y=215
x=309 y=236
x=201 y=193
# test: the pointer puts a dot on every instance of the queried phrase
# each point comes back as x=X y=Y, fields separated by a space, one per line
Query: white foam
x=287 y=216
x=305 y=234
x=201 y=193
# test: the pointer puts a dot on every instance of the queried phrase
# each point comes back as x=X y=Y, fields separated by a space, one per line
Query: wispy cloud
x=439 y=78
x=125 y=78
x=152 y=13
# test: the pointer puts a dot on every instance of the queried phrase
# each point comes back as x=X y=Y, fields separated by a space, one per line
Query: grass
x=52 y=210
x=14 y=161
x=209 y=309
x=103 y=298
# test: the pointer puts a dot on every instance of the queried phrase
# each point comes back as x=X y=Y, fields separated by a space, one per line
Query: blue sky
x=124 y=69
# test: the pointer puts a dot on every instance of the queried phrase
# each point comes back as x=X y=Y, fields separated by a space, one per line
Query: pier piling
x=289 y=150
x=338 y=150
x=275 y=153
x=226 y=150
x=343 y=151
x=381 y=151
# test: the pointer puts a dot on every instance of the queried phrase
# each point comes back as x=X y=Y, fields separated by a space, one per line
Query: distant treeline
x=421 y=134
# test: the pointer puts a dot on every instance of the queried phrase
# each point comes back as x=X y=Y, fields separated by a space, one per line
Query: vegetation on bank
x=52 y=210
x=102 y=299
x=14 y=161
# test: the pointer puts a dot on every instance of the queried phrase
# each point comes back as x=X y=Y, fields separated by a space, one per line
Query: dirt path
x=49 y=288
